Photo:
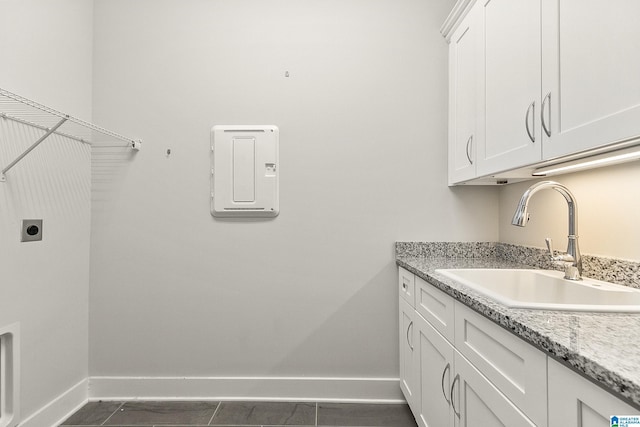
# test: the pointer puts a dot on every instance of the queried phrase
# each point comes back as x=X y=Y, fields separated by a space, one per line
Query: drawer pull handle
x=444 y=393
x=532 y=136
x=404 y=286
x=453 y=404
x=409 y=341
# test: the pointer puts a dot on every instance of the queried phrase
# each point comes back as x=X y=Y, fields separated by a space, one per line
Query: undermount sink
x=546 y=290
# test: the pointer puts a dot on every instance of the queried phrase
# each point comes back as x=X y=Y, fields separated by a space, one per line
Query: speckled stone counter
x=604 y=347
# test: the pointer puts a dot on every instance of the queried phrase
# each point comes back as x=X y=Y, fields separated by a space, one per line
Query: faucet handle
x=564 y=260
x=549 y=243
x=561 y=258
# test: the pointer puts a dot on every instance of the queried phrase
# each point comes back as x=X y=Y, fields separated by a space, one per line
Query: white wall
x=608 y=205
x=175 y=292
x=46 y=56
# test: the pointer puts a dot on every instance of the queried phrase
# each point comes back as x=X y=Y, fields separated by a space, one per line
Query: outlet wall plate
x=31 y=230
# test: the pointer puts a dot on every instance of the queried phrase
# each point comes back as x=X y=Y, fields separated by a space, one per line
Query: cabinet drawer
x=515 y=367
x=407 y=285
x=435 y=306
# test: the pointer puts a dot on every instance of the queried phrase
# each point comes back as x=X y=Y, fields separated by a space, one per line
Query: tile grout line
x=214 y=413
x=113 y=413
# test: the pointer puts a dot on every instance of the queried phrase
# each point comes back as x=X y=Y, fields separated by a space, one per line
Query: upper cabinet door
x=591 y=74
x=512 y=80
x=465 y=60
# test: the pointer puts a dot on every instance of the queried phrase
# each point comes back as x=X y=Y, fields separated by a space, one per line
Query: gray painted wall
x=363 y=122
x=46 y=56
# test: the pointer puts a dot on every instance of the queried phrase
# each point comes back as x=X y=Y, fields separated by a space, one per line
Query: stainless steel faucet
x=572 y=261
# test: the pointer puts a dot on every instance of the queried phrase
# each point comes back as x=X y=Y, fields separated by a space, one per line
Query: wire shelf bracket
x=11 y=100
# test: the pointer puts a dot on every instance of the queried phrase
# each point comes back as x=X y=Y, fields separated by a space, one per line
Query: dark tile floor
x=226 y=414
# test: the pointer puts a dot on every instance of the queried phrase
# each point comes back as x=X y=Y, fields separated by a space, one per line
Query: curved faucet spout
x=521 y=216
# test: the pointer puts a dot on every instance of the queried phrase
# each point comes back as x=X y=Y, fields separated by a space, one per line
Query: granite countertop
x=604 y=347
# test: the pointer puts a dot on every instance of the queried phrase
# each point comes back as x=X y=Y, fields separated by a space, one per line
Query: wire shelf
x=22 y=110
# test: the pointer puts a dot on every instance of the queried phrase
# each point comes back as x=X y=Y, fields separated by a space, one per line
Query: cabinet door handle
x=446 y=368
x=547 y=99
x=409 y=341
x=453 y=404
x=404 y=286
x=469 y=142
x=532 y=107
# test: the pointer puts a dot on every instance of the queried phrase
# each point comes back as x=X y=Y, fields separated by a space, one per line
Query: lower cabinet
x=462 y=369
x=453 y=392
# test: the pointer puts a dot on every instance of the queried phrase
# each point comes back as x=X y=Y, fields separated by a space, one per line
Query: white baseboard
x=60 y=408
x=375 y=390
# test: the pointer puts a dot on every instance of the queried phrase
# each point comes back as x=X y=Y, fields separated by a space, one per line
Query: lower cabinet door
x=478 y=403
x=576 y=402
x=408 y=354
x=435 y=372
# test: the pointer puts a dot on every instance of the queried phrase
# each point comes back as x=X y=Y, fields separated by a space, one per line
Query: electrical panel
x=244 y=171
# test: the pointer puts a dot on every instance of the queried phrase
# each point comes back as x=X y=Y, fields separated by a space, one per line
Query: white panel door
x=576 y=402
x=479 y=403
x=512 y=85
x=465 y=58
x=591 y=73
x=408 y=354
x=435 y=372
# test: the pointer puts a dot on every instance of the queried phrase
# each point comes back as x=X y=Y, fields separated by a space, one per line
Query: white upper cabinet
x=465 y=60
x=533 y=81
x=511 y=79
x=591 y=74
